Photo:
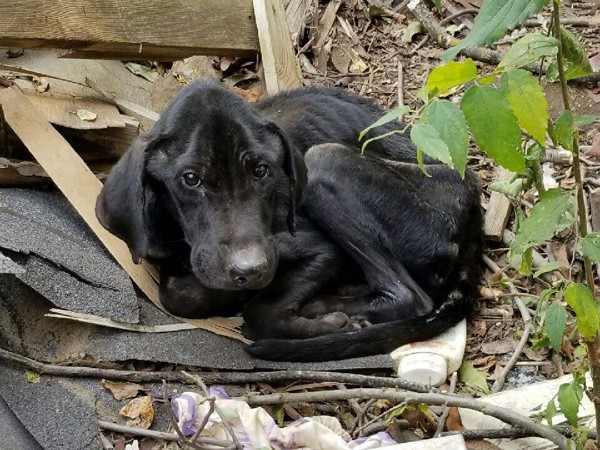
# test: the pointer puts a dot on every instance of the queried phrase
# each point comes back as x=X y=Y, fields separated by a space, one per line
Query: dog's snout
x=248 y=266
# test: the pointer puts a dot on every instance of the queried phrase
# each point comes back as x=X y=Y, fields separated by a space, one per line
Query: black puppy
x=243 y=210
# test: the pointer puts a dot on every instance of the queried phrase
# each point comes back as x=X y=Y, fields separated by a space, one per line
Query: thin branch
x=511 y=433
x=142 y=432
x=506 y=415
x=446 y=411
x=211 y=377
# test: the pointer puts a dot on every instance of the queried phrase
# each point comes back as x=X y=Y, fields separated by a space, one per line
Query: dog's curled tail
x=376 y=339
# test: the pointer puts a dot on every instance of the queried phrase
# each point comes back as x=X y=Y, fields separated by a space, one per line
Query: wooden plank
x=279 y=62
x=498 y=211
x=79 y=185
x=132 y=29
x=81 y=78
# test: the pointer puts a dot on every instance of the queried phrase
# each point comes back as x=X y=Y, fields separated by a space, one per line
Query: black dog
x=243 y=210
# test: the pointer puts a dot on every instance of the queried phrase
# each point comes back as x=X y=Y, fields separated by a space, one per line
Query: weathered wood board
x=132 y=29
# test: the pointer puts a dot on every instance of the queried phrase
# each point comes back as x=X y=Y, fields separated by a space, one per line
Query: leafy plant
x=506 y=114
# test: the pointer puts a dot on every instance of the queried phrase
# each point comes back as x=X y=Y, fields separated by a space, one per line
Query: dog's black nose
x=248 y=266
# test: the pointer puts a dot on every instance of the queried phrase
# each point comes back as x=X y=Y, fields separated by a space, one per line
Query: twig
x=510 y=433
x=446 y=411
x=527 y=330
x=212 y=377
x=361 y=414
x=456 y=15
x=506 y=415
x=400 y=86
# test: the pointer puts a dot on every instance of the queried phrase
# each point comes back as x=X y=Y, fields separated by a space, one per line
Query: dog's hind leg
x=392 y=222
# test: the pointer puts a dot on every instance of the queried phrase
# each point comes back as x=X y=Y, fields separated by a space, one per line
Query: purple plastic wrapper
x=184 y=404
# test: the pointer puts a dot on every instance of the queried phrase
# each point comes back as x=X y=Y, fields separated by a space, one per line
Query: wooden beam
x=498 y=211
x=132 y=29
x=279 y=62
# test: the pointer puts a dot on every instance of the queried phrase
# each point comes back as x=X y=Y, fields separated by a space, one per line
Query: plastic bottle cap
x=424 y=368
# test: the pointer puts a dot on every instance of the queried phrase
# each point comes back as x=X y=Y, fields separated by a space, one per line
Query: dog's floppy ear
x=295 y=169
x=122 y=206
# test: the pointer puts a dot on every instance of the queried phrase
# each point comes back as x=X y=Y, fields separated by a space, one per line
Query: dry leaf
x=140 y=411
x=121 y=390
x=498 y=347
x=358 y=65
x=41 y=84
x=594 y=150
x=453 y=423
x=87 y=116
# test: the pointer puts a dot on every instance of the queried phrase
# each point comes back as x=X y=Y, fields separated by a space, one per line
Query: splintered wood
x=498 y=211
x=279 y=63
x=79 y=185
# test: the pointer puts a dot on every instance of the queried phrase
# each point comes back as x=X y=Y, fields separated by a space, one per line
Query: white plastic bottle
x=430 y=362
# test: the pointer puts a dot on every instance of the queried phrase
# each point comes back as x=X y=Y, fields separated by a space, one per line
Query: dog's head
x=219 y=173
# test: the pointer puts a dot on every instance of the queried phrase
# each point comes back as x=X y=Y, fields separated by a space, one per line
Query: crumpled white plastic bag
x=256 y=430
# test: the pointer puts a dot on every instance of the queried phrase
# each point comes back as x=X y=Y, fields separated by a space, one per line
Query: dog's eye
x=191 y=179
x=260 y=171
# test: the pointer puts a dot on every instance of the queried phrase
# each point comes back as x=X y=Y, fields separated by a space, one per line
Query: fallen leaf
x=121 y=390
x=249 y=96
x=358 y=65
x=498 y=347
x=594 y=151
x=41 y=84
x=408 y=33
x=15 y=53
x=87 y=116
x=143 y=71
x=32 y=377
x=473 y=378
x=453 y=423
x=140 y=411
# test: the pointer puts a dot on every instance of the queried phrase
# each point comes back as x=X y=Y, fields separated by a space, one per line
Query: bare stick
x=506 y=415
x=212 y=377
x=142 y=432
x=446 y=410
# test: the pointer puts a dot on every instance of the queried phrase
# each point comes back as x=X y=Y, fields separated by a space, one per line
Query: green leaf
x=484 y=81
x=581 y=300
x=427 y=139
x=473 y=377
x=577 y=63
x=590 y=245
x=449 y=121
x=529 y=49
x=494 y=126
x=438 y=4
x=545 y=217
x=554 y=324
x=495 y=18
x=586 y=119
x=388 y=117
x=526 y=263
x=32 y=377
x=550 y=267
x=528 y=102
x=550 y=412
x=511 y=187
x=569 y=396
x=565 y=129
x=443 y=78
